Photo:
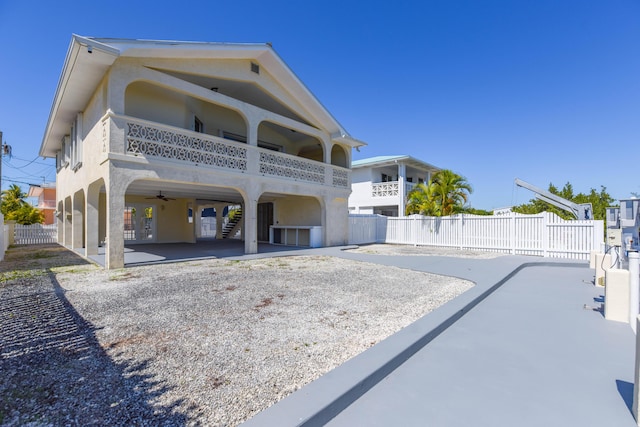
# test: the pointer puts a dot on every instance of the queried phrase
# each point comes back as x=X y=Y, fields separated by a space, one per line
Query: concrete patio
x=140 y=254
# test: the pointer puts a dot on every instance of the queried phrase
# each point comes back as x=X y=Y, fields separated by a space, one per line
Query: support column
x=402 y=172
x=219 y=220
x=250 y=218
x=196 y=212
x=67 y=219
x=92 y=215
x=114 y=254
x=327 y=148
x=634 y=288
x=60 y=221
x=77 y=222
x=335 y=220
x=636 y=377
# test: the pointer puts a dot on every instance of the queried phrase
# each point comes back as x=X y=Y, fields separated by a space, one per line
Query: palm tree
x=451 y=191
x=445 y=194
x=421 y=200
x=13 y=199
x=15 y=207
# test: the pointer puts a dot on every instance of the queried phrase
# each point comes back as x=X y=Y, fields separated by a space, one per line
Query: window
x=270 y=146
x=234 y=136
x=66 y=151
x=255 y=68
x=198 y=126
x=58 y=160
x=76 y=143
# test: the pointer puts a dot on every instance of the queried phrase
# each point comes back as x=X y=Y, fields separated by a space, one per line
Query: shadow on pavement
x=55 y=371
x=626 y=392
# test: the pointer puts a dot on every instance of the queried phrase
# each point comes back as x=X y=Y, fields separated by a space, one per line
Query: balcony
x=46 y=204
x=154 y=140
x=389 y=189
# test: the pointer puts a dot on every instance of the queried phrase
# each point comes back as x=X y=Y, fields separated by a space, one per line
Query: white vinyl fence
x=544 y=234
x=34 y=234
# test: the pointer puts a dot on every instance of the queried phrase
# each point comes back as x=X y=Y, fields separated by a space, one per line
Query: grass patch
x=9 y=276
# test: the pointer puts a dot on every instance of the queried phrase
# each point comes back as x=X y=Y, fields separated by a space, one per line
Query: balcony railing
x=46 y=204
x=154 y=140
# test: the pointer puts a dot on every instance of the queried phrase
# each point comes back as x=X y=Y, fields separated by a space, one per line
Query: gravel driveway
x=196 y=343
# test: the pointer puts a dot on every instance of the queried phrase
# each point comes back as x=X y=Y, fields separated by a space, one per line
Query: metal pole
x=634 y=288
x=1 y=155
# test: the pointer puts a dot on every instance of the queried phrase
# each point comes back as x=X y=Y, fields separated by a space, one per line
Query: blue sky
x=543 y=90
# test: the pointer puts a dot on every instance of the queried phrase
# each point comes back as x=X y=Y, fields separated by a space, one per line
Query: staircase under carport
x=233 y=225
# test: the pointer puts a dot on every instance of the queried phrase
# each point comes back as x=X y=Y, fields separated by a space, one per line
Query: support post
x=250 y=228
x=636 y=378
x=634 y=288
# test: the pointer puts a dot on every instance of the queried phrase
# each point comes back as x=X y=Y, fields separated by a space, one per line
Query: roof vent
x=255 y=68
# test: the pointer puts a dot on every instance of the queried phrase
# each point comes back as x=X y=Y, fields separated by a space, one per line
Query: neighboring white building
x=379 y=185
x=146 y=131
x=503 y=211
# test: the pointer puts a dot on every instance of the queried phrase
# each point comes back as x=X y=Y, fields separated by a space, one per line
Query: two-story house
x=380 y=184
x=145 y=132
x=46 y=195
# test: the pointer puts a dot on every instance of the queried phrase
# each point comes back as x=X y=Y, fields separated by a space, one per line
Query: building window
x=66 y=151
x=198 y=126
x=75 y=143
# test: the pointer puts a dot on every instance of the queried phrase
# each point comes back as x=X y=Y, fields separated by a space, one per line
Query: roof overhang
x=382 y=161
x=88 y=61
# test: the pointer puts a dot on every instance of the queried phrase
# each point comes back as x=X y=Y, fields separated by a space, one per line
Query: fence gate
x=35 y=234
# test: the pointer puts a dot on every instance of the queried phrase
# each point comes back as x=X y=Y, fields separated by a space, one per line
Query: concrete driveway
x=518 y=349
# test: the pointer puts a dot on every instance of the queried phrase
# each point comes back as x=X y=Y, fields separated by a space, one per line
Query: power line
x=4 y=178
x=30 y=161
x=38 y=174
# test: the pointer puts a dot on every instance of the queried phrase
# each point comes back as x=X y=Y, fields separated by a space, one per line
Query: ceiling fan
x=161 y=197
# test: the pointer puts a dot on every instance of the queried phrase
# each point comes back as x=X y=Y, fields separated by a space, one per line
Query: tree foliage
x=600 y=200
x=14 y=207
x=445 y=194
x=474 y=211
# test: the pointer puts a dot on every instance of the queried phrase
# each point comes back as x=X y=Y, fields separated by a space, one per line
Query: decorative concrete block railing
x=390 y=188
x=154 y=140
x=384 y=189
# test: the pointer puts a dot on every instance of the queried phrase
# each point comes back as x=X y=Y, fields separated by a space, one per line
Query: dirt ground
x=208 y=342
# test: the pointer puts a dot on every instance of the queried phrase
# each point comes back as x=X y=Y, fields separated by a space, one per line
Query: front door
x=139 y=223
x=265 y=220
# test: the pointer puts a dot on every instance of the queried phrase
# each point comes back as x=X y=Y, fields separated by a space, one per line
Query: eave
x=88 y=61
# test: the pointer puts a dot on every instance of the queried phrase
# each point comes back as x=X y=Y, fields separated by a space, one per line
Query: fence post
x=11 y=232
x=512 y=233
x=545 y=234
x=3 y=236
x=461 y=231
x=634 y=285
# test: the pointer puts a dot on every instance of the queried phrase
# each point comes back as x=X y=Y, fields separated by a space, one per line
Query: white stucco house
x=145 y=132
x=380 y=184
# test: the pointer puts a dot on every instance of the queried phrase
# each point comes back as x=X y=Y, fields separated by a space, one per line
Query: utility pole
x=1 y=155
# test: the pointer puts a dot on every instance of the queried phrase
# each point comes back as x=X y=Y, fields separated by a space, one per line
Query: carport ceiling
x=176 y=190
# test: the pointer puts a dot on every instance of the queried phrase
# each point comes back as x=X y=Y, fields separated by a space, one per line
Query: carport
x=142 y=254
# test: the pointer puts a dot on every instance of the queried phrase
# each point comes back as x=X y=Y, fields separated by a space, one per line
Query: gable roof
x=379 y=161
x=88 y=60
